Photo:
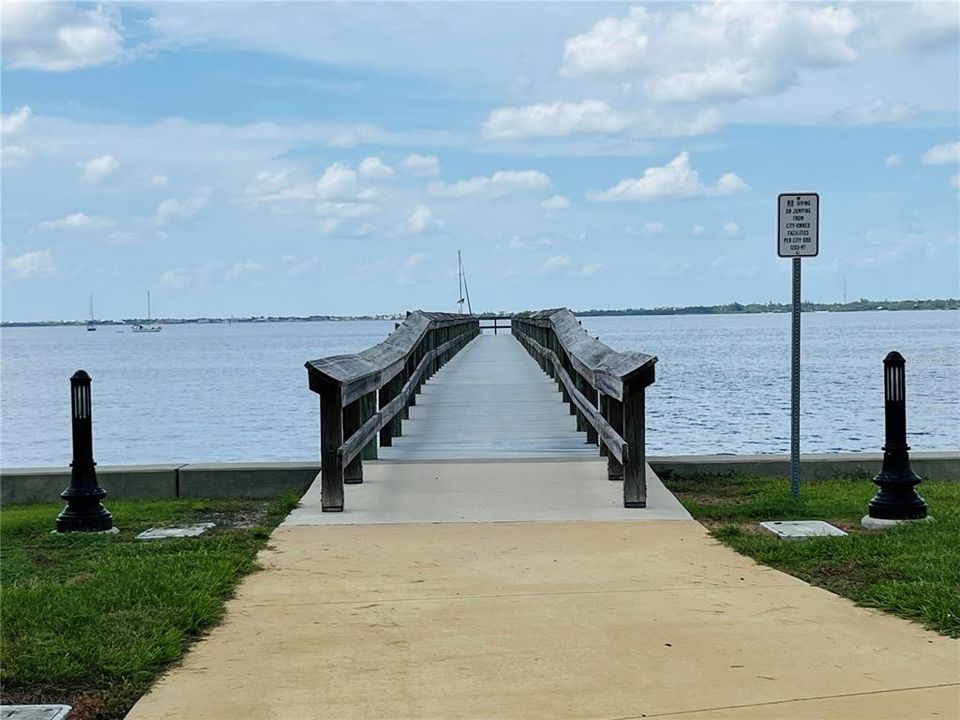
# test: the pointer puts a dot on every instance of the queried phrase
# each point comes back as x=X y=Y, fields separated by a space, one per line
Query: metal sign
x=799 y=226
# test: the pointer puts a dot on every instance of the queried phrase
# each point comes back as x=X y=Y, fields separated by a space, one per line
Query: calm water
x=239 y=392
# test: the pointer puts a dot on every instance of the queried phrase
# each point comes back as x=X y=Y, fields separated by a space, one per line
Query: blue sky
x=307 y=158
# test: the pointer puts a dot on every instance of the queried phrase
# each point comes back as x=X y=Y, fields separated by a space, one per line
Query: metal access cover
x=33 y=712
x=173 y=532
x=801 y=529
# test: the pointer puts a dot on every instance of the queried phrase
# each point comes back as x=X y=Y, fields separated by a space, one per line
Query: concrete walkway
x=487 y=491
x=491 y=401
x=546 y=620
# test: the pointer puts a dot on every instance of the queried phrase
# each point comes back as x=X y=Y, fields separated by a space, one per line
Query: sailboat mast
x=149 y=314
x=466 y=290
x=91 y=307
x=460 y=281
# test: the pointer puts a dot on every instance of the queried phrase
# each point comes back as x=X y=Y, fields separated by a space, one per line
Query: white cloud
x=915 y=27
x=159 y=180
x=893 y=161
x=172 y=208
x=557 y=202
x=98 y=169
x=374 y=167
x=420 y=219
x=297 y=267
x=697 y=229
x=553 y=264
x=345 y=210
x=13 y=155
x=878 y=111
x=421 y=165
x=204 y=274
x=587 y=270
x=676 y=179
x=558 y=119
x=731 y=229
x=338 y=182
x=178 y=278
x=942 y=154
x=674 y=267
x=16 y=121
x=406 y=273
x=76 y=221
x=502 y=182
x=654 y=228
x=32 y=264
x=59 y=36
x=243 y=268
x=123 y=237
x=715 y=51
x=594 y=117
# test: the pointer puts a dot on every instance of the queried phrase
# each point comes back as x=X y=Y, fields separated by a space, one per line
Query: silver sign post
x=798 y=236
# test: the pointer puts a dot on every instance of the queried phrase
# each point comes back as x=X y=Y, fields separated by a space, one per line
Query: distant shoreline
x=728 y=309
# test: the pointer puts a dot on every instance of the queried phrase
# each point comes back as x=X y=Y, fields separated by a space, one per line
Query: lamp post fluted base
x=84 y=512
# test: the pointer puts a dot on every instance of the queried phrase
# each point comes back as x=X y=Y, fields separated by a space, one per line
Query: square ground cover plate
x=33 y=712
x=174 y=532
x=801 y=529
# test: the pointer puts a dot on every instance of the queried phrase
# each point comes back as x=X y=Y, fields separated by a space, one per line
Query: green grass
x=912 y=571
x=93 y=619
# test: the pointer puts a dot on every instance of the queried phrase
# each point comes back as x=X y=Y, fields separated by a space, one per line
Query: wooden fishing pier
x=486 y=400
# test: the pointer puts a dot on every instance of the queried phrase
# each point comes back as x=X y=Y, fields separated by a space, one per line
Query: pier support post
x=634 y=432
x=604 y=413
x=384 y=396
x=615 y=418
x=331 y=438
x=368 y=408
x=353 y=472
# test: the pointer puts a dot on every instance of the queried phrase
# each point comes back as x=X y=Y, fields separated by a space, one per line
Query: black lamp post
x=897 y=497
x=84 y=512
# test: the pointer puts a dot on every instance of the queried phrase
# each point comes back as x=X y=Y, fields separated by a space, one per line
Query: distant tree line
x=736 y=308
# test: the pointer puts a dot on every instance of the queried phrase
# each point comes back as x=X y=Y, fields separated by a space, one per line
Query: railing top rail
x=355 y=371
x=606 y=368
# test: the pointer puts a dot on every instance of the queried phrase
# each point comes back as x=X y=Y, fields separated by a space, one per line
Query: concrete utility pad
x=175 y=532
x=801 y=529
x=490 y=401
x=34 y=712
x=395 y=492
x=546 y=620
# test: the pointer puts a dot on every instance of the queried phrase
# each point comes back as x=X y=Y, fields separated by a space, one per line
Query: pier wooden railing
x=605 y=389
x=370 y=393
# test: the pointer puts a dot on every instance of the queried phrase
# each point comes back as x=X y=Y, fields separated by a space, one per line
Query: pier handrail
x=370 y=392
x=605 y=389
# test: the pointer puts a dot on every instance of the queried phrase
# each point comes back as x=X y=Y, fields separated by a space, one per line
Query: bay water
x=238 y=391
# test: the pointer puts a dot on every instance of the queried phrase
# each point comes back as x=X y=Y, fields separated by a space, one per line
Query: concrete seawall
x=142 y=482
x=269 y=479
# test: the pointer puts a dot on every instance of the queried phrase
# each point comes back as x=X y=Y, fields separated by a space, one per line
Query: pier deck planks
x=491 y=401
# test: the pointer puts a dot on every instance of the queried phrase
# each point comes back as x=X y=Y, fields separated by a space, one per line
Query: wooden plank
x=331 y=437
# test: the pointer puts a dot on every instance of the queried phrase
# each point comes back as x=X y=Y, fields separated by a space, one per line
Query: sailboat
x=149 y=325
x=91 y=327
x=464 y=295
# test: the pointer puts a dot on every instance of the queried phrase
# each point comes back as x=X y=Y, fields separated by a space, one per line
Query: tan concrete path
x=546 y=620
